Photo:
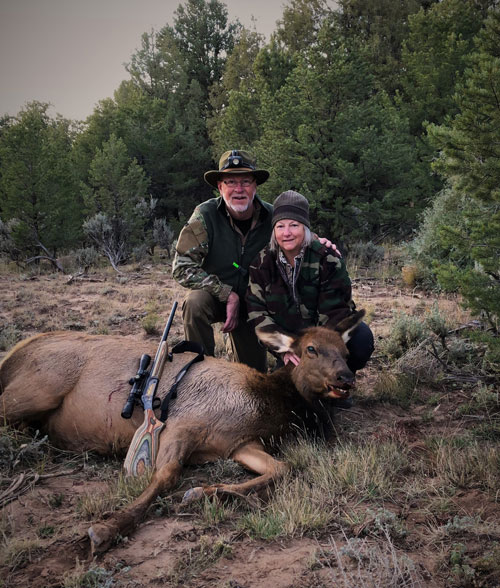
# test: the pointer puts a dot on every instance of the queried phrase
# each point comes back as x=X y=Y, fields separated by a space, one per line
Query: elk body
x=73 y=386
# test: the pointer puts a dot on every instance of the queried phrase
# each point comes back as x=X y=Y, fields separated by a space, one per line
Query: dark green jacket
x=209 y=244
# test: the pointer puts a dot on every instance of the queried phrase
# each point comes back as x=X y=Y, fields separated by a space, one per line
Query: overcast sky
x=71 y=52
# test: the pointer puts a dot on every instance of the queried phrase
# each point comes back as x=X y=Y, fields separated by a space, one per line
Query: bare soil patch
x=451 y=532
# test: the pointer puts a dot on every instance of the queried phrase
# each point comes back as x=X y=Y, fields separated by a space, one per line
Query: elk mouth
x=337 y=392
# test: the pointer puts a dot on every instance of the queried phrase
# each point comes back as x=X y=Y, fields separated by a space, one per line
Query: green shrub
x=407 y=332
x=366 y=253
x=429 y=249
x=87 y=257
x=9 y=336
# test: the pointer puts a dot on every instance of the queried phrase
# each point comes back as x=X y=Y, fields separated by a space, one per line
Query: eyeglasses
x=243 y=183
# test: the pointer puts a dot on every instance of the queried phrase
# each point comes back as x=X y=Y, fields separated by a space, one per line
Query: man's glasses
x=243 y=183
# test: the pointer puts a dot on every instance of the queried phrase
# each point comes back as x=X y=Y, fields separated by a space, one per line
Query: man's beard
x=241 y=207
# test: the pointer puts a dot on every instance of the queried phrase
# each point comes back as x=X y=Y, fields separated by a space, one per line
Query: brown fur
x=75 y=385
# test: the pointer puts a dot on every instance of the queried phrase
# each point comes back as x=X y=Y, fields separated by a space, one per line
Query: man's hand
x=290 y=356
x=327 y=243
x=232 y=313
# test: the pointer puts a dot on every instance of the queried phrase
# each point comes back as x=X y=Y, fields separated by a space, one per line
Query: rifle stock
x=143 y=448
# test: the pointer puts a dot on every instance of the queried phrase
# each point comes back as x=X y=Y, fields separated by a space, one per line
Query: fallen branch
x=26 y=448
x=470 y=325
x=83 y=277
x=26 y=481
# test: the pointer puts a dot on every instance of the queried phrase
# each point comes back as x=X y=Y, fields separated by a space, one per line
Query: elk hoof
x=101 y=538
x=192 y=495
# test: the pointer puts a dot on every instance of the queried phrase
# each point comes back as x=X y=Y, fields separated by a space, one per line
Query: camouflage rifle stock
x=143 y=448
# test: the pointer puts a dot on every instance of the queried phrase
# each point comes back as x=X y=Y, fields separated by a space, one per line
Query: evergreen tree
x=434 y=56
x=470 y=146
x=243 y=119
x=97 y=129
x=380 y=26
x=37 y=183
x=114 y=201
x=234 y=99
x=298 y=28
x=158 y=67
x=331 y=136
x=204 y=38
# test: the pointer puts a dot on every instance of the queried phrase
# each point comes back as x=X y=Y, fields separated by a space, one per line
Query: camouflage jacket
x=210 y=244
x=320 y=295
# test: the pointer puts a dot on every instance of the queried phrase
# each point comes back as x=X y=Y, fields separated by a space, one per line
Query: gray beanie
x=291 y=205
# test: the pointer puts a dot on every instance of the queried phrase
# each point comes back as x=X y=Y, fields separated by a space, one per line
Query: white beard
x=240 y=207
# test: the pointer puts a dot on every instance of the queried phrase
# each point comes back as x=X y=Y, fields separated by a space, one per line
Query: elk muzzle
x=342 y=386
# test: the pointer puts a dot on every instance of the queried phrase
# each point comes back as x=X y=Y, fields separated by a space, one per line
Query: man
x=213 y=254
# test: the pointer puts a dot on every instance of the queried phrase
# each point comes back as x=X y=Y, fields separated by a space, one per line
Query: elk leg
x=103 y=534
x=255 y=458
x=24 y=399
x=175 y=447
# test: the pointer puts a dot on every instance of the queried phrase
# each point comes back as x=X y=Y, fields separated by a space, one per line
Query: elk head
x=322 y=371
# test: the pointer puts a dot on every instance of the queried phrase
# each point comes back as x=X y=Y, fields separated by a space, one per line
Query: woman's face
x=289 y=235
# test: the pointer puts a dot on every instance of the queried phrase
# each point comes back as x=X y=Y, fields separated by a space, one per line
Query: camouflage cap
x=236 y=162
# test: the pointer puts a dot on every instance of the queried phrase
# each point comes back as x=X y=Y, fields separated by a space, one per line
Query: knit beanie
x=291 y=205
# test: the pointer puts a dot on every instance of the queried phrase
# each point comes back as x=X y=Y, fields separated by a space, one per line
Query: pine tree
x=117 y=187
x=470 y=161
x=37 y=183
x=331 y=136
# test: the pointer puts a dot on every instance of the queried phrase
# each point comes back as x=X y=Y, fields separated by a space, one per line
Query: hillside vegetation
x=384 y=115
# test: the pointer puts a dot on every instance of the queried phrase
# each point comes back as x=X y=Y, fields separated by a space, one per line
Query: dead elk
x=74 y=386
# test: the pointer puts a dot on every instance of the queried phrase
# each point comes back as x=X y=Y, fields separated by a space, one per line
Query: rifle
x=144 y=445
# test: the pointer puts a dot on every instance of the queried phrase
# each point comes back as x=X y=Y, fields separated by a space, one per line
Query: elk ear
x=278 y=342
x=347 y=326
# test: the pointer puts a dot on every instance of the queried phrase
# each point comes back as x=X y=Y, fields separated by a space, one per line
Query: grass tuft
x=17 y=553
x=362 y=563
x=196 y=560
x=473 y=466
x=120 y=492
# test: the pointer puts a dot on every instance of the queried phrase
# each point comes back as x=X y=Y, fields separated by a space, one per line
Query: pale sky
x=71 y=52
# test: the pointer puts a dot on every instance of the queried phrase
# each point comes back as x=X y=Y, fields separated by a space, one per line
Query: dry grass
x=323 y=484
x=119 y=493
x=17 y=553
x=363 y=563
x=92 y=576
x=473 y=466
x=197 y=559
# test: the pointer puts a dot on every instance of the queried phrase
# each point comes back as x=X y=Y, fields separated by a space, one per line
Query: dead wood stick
x=24 y=482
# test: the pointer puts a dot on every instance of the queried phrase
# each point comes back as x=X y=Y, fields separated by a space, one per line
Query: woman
x=295 y=282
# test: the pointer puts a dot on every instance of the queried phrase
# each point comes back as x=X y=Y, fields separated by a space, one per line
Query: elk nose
x=346 y=379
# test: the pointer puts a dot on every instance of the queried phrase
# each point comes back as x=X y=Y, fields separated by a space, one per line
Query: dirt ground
x=168 y=548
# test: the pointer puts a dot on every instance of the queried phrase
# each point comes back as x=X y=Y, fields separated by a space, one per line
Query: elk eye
x=310 y=349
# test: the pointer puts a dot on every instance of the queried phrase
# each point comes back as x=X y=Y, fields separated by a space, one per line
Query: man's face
x=238 y=191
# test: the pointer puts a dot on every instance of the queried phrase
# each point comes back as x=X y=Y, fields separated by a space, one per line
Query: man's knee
x=197 y=304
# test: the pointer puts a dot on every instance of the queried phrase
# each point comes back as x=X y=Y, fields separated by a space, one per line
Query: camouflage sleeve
x=190 y=251
x=258 y=315
x=334 y=301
